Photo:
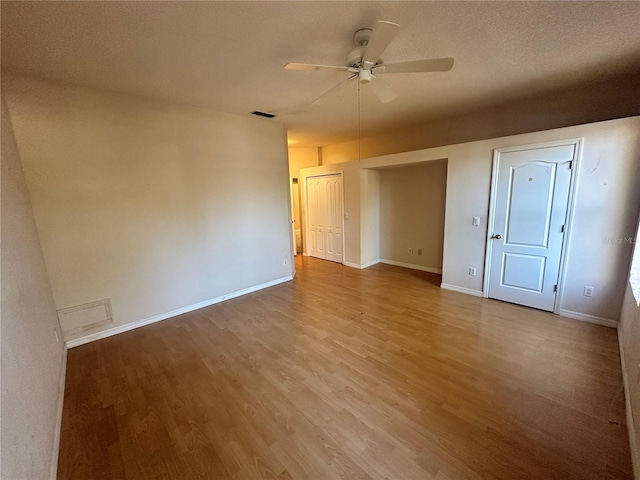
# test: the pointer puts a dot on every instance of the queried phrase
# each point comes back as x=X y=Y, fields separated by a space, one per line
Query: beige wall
x=32 y=358
x=302 y=157
x=155 y=206
x=607 y=201
x=369 y=217
x=412 y=203
x=592 y=103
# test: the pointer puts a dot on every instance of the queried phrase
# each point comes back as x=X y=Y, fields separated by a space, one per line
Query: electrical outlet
x=419 y=251
x=476 y=221
x=588 y=291
x=285 y=261
x=410 y=250
x=472 y=271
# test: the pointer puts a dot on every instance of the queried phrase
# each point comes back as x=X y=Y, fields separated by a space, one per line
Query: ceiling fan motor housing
x=362 y=36
x=354 y=57
x=361 y=39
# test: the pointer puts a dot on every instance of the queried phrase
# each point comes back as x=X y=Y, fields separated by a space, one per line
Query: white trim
x=564 y=251
x=566 y=244
x=352 y=265
x=371 y=263
x=411 y=265
x=493 y=193
x=467 y=291
x=631 y=426
x=292 y=221
x=536 y=146
x=53 y=472
x=607 y=322
x=163 y=316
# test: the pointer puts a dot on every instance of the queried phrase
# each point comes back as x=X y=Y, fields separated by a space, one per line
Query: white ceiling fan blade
x=417 y=66
x=308 y=66
x=329 y=93
x=382 y=91
x=383 y=33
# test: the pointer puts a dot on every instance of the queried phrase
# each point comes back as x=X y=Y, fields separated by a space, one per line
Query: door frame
x=293 y=211
x=573 y=187
x=305 y=237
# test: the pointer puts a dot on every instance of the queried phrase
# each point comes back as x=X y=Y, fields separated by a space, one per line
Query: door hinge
x=555 y=288
x=571 y=165
x=562 y=229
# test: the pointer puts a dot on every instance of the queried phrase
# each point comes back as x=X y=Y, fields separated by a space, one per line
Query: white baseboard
x=163 y=316
x=607 y=322
x=455 y=288
x=631 y=426
x=361 y=266
x=53 y=473
x=352 y=265
x=371 y=263
x=412 y=266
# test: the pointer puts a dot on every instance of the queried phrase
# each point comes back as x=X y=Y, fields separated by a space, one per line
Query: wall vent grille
x=85 y=317
x=262 y=114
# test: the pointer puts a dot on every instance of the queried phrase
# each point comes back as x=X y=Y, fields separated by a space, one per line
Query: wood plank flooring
x=342 y=373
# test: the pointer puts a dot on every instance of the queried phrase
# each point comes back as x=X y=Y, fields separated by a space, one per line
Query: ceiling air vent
x=262 y=114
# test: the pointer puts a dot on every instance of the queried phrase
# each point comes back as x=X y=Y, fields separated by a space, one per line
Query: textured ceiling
x=229 y=56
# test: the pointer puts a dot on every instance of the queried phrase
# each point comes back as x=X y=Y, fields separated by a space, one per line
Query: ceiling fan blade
x=417 y=66
x=383 y=33
x=308 y=66
x=382 y=91
x=332 y=91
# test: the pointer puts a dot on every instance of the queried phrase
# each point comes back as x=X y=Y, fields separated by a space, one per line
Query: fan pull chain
x=359 y=124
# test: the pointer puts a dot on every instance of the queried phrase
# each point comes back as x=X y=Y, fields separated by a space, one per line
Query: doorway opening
x=297 y=219
x=412 y=213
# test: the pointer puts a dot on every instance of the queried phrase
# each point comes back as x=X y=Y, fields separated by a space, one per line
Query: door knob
x=497 y=236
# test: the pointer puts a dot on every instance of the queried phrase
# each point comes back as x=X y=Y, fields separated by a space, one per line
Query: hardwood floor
x=348 y=374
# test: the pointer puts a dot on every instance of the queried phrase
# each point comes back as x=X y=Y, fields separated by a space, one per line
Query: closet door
x=334 y=209
x=324 y=217
x=315 y=216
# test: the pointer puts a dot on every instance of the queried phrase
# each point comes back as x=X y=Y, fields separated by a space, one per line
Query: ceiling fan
x=364 y=62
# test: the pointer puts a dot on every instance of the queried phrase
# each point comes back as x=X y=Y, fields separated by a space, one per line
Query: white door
x=333 y=223
x=324 y=214
x=315 y=217
x=530 y=207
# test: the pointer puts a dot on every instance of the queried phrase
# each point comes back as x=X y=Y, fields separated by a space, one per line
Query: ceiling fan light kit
x=364 y=62
x=364 y=76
